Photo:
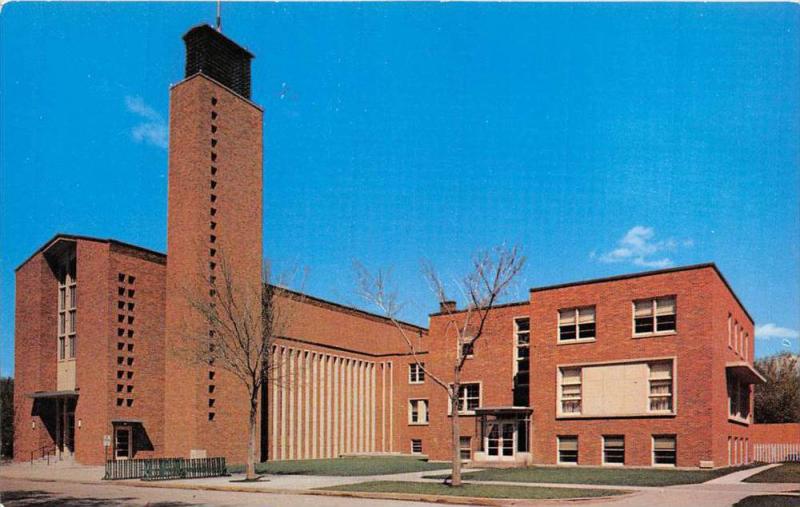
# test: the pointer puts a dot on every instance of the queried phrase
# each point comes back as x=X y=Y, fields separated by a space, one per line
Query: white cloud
x=767 y=331
x=152 y=129
x=639 y=247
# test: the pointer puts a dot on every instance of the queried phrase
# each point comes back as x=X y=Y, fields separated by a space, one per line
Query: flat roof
x=649 y=273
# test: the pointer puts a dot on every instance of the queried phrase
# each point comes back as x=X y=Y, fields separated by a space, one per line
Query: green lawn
x=474 y=490
x=769 y=501
x=345 y=466
x=592 y=475
x=788 y=472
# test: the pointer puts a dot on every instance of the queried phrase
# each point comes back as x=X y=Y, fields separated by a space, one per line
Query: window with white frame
x=736 y=335
x=576 y=324
x=469 y=397
x=467 y=348
x=614 y=449
x=664 y=450
x=656 y=315
x=522 y=332
x=416 y=446
x=416 y=373
x=568 y=449
x=660 y=379
x=570 y=390
x=417 y=411
x=67 y=308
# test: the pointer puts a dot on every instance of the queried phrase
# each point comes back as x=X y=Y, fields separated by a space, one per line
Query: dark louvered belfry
x=210 y=53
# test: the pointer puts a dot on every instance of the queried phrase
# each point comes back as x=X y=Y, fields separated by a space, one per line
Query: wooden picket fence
x=776 y=453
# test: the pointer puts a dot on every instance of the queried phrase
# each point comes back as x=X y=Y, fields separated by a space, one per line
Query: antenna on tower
x=219 y=16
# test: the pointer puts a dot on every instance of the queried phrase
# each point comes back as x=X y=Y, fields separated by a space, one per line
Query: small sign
x=106 y=440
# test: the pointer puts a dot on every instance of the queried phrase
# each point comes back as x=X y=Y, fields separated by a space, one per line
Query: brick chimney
x=447 y=306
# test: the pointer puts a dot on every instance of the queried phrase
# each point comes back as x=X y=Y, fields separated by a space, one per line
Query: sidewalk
x=723 y=491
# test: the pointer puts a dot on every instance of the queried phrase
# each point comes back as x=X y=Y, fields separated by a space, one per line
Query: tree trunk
x=456 y=437
x=251 y=441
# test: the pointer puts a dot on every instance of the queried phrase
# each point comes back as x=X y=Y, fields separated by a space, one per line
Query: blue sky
x=604 y=139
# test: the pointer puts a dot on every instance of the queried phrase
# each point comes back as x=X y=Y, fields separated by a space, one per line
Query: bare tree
x=491 y=275
x=243 y=320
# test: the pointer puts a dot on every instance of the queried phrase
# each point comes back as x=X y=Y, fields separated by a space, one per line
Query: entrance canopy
x=38 y=395
x=509 y=411
x=745 y=372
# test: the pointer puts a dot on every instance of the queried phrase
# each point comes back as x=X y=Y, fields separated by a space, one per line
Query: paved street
x=16 y=492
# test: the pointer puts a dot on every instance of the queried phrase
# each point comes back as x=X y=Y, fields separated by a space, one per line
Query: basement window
x=416 y=446
x=568 y=449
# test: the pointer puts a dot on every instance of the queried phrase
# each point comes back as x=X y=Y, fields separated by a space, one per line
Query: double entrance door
x=65 y=426
x=500 y=440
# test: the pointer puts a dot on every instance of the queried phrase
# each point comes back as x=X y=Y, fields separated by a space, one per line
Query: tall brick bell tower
x=214 y=212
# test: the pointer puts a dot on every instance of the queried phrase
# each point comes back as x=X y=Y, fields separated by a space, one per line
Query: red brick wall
x=31 y=342
x=238 y=242
x=93 y=361
x=788 y=433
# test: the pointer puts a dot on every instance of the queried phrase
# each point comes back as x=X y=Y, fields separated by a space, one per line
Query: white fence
x=776 y=453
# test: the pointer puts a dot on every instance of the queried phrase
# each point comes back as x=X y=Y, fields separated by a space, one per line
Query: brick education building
x=647 y=369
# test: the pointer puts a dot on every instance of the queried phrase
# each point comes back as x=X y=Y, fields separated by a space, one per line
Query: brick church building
x=648 y=369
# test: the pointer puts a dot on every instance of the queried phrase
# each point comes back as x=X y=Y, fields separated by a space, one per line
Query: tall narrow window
x=654 y=315
x=660 y=386
x=568 y=449
x=67 y=308
x=522 y=334
x=575 y=324
x=730 y=331
x=614 y=450
x=570 y=390
x=664 y=450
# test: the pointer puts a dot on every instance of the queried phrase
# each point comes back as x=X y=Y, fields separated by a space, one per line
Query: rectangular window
x=416 y=446
x=664 y=450
x=568 y=449
x=570 y=390
x=614 y=450
x=746 y=345
x=738 y=399
x=72 y=343
x=467 y=350
x=417 y=411
x=730 y=331
x=523 y=339
x=654 y=315
x=469 y=398
x=61 y=347
x=416 y=374
x=660 y=379
x=736 y=336
x=575 y=324
x=465 y=448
